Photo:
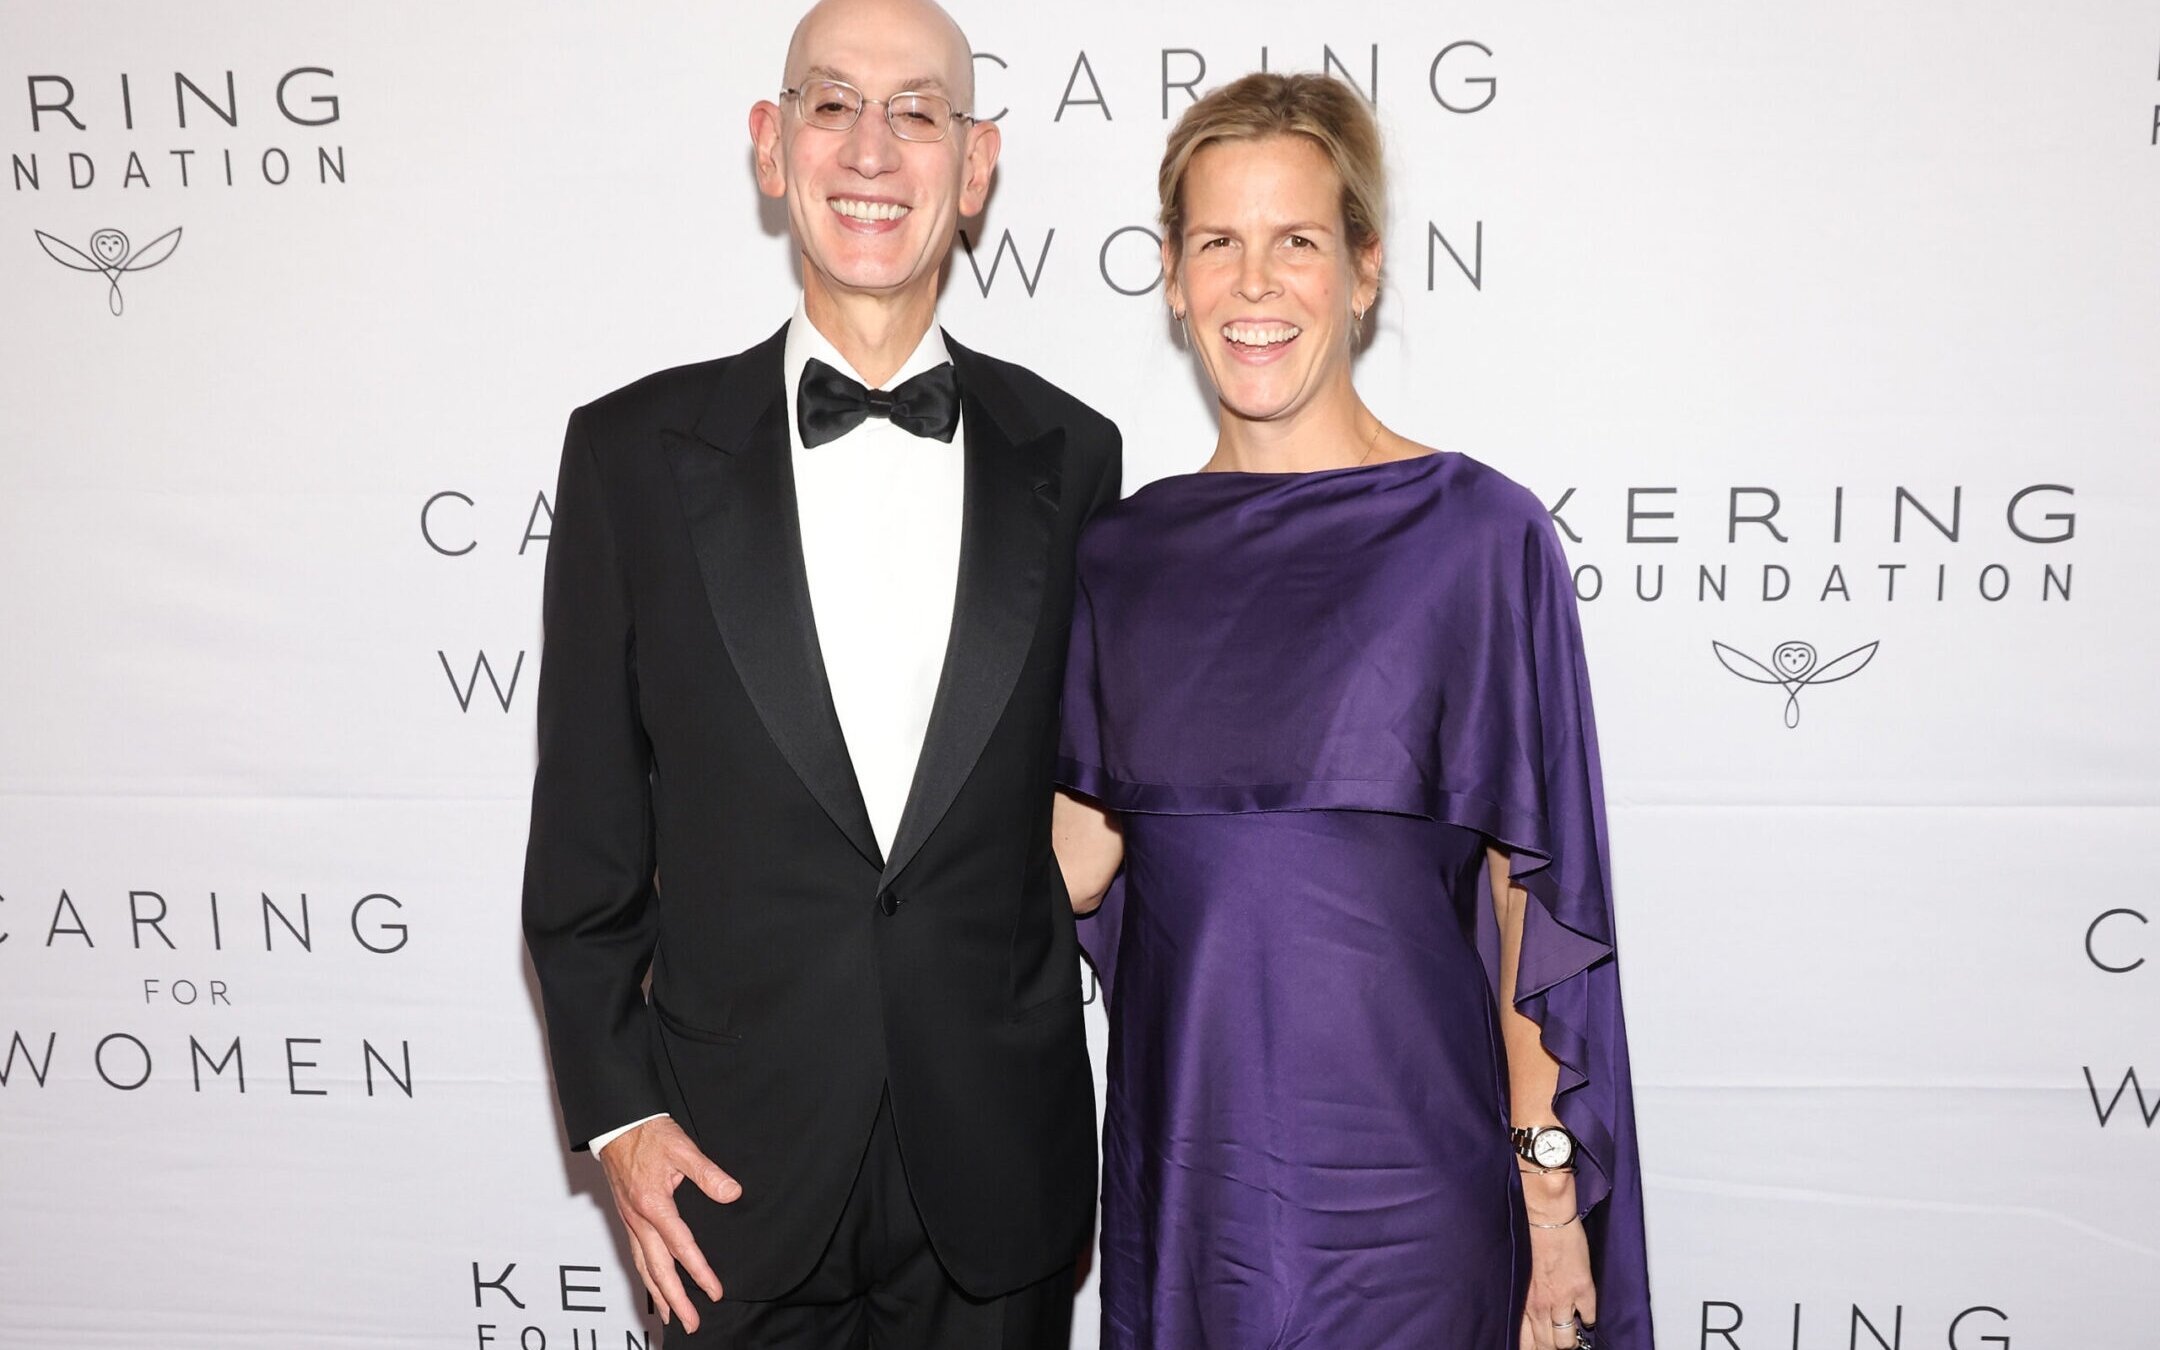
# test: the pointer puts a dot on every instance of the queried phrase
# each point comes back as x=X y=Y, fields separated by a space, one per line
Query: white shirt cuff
x=601 y=1141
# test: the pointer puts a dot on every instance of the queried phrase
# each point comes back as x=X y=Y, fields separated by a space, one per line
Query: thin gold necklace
x=1372 y=443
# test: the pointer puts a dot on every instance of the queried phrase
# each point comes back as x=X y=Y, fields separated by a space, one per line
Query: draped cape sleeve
x=1540 y=797
x=1079 y=755
x=1440 y=674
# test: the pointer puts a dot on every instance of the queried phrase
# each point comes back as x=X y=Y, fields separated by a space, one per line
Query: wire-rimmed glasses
x=913 y=114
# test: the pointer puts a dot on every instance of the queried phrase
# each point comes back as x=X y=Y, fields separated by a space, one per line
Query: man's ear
x=984 y=141
x=765 y=148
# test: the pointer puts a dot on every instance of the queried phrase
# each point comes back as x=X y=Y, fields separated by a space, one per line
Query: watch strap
x=1524 y=1139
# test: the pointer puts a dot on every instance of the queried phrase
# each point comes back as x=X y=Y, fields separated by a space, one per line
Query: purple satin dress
x=1314 y=699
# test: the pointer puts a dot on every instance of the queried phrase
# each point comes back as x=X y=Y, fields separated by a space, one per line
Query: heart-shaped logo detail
x=110 y=246
x=1793 y=659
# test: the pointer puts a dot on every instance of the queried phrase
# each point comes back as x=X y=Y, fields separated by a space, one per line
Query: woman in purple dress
x=1334 y=786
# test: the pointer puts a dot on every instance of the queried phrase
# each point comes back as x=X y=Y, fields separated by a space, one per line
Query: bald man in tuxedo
x=806 y=614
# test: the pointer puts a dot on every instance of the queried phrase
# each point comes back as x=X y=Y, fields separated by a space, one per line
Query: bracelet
x=1535 y=1224
x=1532 y=1169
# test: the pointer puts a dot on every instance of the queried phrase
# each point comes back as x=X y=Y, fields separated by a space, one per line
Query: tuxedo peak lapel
x=1011 y=499
x=737 y=483
x=754 y=379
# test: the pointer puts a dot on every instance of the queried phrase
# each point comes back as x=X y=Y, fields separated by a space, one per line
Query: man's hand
x=644 y=1166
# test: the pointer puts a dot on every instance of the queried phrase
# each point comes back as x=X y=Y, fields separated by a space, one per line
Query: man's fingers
x=637 y=1255
x=642 y=1233
x=705 y=1174
x=718 y=1185
x=652 y=1291
x=684 y=1249
x=644 y=1178
x=672 y=1294
x=658 y=1268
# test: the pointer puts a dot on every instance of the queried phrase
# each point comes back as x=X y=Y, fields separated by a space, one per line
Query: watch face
x=1552 y=1148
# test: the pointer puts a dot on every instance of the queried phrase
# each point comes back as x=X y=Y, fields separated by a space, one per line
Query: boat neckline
x=1340 y=470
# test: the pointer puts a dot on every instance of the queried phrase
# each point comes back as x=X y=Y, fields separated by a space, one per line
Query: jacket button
x=888 y=902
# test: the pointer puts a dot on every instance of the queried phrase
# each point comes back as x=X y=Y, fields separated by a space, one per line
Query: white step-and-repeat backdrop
x=1830 y=333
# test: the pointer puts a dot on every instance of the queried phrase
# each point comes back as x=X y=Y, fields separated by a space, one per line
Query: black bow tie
x=829 y=405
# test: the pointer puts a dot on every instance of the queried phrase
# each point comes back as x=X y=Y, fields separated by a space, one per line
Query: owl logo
x=1794 y=666
x=111 y=256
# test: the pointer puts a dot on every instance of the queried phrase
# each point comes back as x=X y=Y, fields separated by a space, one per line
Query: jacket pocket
x=1044 y=1009
x=690 y=1032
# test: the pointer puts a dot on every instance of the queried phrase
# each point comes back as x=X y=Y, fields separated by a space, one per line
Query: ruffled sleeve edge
x=1566 y=943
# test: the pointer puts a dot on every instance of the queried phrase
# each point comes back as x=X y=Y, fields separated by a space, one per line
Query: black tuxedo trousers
x=696 y=821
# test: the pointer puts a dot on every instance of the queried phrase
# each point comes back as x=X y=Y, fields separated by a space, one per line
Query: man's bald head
x=875 y=209
x=834 y=29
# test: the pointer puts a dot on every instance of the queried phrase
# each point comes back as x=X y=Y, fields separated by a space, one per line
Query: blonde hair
x=1320 y=108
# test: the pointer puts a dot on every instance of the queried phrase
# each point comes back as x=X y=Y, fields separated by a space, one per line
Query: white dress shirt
x=880 y=516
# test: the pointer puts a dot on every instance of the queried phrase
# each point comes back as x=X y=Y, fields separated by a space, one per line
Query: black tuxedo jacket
x=695 y=811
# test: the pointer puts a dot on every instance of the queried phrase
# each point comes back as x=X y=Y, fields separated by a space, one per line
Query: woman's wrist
x=1537 y=1181
x=1549 y=1197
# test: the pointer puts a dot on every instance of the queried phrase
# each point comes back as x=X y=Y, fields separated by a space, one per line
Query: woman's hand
x=1560 y=1288
x=1090 y=848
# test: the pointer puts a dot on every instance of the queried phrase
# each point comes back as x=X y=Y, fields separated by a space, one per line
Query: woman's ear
x=1172 y=291
x=1370 y=256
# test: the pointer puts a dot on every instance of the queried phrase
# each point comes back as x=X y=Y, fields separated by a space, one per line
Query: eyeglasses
x=833 y=105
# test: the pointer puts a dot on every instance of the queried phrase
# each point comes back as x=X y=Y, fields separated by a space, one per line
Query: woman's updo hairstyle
x=1320 y=108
